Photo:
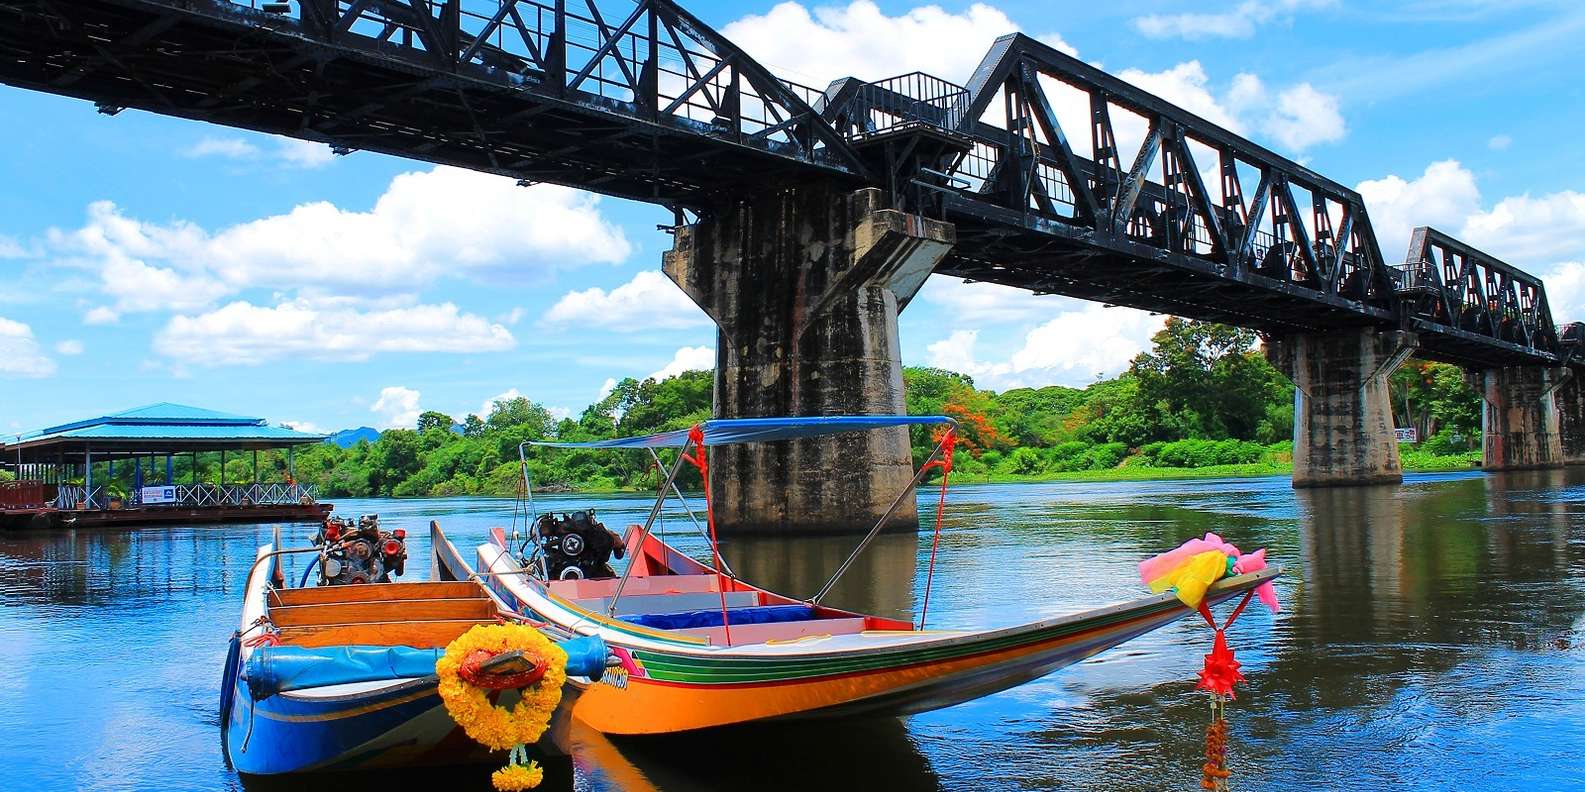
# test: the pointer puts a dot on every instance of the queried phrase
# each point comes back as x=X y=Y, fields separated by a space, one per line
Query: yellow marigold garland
x=495 y=727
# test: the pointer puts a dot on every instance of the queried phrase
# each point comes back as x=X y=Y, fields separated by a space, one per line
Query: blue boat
x=342 y=677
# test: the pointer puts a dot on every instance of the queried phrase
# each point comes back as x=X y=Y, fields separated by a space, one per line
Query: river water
x=1430 y=638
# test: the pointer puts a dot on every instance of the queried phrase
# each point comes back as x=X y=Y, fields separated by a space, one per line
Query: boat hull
x=403 y=725
x=677 y=687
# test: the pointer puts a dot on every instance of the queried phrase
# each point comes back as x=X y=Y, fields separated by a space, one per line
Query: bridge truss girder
x=1143 y=228
x=654 y=106
x=642 y=100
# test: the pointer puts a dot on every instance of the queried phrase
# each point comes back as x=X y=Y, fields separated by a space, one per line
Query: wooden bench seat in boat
x=417 y=634
x=382 y=611
x=369 y=592
x=421 y=615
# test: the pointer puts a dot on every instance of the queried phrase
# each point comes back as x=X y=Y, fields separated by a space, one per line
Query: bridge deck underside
x=1072 y=262
x=361 y=96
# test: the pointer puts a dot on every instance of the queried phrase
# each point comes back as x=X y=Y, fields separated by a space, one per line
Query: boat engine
x=577 y=546
x=353 y=553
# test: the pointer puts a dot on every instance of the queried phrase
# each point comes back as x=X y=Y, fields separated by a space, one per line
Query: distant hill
x=347 y=438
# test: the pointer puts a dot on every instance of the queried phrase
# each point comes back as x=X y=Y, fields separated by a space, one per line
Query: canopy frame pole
x=725 y=567
x=527 y=501
x=643 y=535
x=875 y=531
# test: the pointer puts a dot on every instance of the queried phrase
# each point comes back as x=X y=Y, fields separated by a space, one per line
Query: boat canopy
x=731 y=431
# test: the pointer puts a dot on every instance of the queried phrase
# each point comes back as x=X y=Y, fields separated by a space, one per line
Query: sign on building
x=1409 y=435
x=159 y=495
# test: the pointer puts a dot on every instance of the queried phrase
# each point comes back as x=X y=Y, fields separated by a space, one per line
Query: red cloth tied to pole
x=701 y=460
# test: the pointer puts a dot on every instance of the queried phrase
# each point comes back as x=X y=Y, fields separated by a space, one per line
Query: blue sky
x=151 y=259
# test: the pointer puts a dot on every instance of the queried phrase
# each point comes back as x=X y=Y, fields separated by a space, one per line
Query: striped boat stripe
x=703 y=669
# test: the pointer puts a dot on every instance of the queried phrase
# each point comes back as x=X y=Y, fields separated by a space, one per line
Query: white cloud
x=1500 y=142
x=606 y=388
x=304 y=153
x=860 y=40
x=990 y=303
x=20 y=355
x=288 y=151
x=324 y=329
x=397 y=408
x=101 y=315
x=687 y=359
x=1303 y=117
x=10 y=248
x=559 y=413
x=648 y=302
x=427 y=226
x=1241 y=21
x=70 y=346
x=311 y=427
x=1296 y=117
x=225 y=148
x=1565 y=291
x=1444 y=197
x=1543 y=235
x=1531 y=228
x=1188 y=86
x=1074 y=348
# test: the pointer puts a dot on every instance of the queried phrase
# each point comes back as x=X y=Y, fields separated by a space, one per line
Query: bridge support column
x=1342 y=414
x=1570 y=400
x=1519 y=421
x=805 y=285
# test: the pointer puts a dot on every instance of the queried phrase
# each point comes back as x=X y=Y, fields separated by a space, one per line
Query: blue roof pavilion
x=162 y=428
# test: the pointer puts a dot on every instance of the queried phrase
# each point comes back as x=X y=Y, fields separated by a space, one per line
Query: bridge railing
x=908 y=100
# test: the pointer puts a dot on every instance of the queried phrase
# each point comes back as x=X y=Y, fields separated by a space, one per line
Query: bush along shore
x=1202 y=402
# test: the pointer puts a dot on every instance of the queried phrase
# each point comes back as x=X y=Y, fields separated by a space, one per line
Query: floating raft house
x=61 y=472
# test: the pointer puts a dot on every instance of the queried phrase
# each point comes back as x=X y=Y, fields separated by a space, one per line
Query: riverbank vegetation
x=1202 y=402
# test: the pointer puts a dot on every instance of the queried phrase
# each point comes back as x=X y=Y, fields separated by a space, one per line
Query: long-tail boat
x=702 y=648
x=341 y=676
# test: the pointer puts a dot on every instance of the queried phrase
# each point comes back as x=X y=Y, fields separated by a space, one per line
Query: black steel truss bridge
x=1059 y=177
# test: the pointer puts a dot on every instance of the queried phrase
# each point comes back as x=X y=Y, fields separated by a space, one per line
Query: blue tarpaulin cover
x=276 y=669
x=763 y=614
x=729 y=431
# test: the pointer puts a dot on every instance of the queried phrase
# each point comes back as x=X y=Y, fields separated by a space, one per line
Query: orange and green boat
x=702 y=648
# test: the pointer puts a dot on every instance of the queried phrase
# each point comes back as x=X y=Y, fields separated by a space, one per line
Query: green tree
x=1209 y=379
x=431 y=419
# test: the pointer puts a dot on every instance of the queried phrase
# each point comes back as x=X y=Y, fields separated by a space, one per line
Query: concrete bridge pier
x=1342 y=413
x=805 y=284
x=1570 y=402
x=1519 y=419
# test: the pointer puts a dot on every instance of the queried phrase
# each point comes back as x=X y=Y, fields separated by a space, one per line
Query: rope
x=701 y=460
x=948 y=443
